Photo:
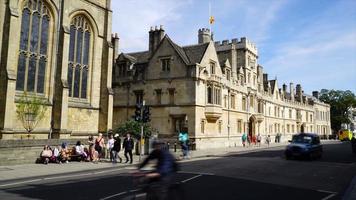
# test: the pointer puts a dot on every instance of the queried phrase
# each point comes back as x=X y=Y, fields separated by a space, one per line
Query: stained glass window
x=79 y=50
x=32 y=62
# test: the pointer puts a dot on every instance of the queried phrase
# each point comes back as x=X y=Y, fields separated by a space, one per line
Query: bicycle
x=152 y=188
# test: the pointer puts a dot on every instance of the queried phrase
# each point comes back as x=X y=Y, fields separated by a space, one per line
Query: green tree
x=134 y=128
x=30 y=110
x=340 y=104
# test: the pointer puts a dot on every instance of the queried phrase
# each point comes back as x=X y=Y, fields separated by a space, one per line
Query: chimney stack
x=299 y=93
x=316 y=94
x=115 y=41
x=155 y=37
x=291 y=88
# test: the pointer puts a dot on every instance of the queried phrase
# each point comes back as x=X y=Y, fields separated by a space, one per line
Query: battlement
x=241 y=43
x=204 y=31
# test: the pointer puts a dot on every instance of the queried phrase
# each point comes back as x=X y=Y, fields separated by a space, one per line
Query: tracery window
x=78 y=65
x=33 y=58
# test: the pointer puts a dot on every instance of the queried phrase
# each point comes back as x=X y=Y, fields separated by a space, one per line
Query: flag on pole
x=211 y=20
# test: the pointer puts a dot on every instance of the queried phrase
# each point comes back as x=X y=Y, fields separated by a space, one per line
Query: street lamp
x=248 y=111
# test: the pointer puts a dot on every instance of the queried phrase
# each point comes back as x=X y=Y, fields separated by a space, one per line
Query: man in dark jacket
x=128 y=145
x=116 y=149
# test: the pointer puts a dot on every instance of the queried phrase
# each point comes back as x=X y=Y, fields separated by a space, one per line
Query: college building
x=215 y=89
x=64 y=53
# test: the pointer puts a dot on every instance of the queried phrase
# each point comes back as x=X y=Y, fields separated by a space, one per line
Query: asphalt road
x=255 y=175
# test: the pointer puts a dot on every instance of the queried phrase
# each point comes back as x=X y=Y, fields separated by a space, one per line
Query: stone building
x=215 y=89
x=62 y=52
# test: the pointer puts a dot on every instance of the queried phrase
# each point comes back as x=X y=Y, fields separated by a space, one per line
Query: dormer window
x=122 y=69
x=227 y=74
x=166 y=64
x=212 y=68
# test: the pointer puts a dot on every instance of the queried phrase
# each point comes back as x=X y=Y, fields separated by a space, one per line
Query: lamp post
x=248 y=112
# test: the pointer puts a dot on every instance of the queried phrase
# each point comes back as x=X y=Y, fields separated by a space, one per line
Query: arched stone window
x=210 y=94
x=78 y=65
x=33 y=53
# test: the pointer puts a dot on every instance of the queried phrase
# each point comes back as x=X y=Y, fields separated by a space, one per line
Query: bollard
x=175 y=146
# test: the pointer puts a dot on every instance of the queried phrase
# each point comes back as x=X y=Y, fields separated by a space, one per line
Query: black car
x=304 y=145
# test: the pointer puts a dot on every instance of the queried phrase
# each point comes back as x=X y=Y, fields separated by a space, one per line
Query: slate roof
x=195 y=52
x=141 y=57
x=191 y=54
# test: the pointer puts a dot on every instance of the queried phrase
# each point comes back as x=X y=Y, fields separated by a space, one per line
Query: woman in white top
x=110 y=145
x=79 y=150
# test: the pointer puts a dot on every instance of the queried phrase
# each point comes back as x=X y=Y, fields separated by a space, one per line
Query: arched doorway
x=252 y=126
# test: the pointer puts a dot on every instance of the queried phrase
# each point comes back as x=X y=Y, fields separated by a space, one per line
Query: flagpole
x=210 y=19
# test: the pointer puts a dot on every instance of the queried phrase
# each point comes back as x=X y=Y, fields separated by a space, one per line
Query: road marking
x=331 y=194
x=114 y=195
x=328 y=197
x=22 y=182
x=189 y=172
x=189 y=179
x=59 y=177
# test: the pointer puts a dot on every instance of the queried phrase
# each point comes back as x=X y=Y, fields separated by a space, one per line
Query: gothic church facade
x=60 y=51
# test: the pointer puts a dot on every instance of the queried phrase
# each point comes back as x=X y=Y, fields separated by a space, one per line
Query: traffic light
x=146 y=114
x=137 y=116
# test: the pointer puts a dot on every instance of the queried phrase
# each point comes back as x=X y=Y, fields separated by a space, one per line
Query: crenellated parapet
x=242 y=43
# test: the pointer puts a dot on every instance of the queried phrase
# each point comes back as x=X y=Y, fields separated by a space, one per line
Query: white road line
x=189 y=179
x=328 y=197
x=22 y=182
x=325 y=191
x=331 y=194
x=114 y=195
x=189 y=172
x=59 y=177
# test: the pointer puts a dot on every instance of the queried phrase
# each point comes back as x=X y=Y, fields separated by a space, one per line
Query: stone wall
x=14 y=152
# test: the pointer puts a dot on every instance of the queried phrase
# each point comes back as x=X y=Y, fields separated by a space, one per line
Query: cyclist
x=164 y=170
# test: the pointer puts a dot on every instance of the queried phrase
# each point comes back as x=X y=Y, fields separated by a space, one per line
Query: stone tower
x=204 y=35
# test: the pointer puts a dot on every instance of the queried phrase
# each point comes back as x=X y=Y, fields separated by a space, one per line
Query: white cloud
x=132 y=20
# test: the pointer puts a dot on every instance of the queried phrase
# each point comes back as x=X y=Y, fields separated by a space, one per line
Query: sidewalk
x=26 y=171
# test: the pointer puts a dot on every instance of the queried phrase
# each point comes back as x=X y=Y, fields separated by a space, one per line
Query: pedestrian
x=128 y=145
x=244 y=138
x=254 y=139
x=259 y=140
x=99 y=145
x=268 y=140
x=116 y=149
x=184 y=139
x=249 y=140
x=93 y=154
x=110 y=145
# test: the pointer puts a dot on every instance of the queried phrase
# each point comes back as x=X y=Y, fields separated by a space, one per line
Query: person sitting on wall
x=64 y=153
x=46 y=154
x=79 y=150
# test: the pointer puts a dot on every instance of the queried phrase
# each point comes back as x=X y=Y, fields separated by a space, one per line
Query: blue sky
x=311 y=42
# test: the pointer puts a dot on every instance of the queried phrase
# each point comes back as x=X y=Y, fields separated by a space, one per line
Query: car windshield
x=302 y=139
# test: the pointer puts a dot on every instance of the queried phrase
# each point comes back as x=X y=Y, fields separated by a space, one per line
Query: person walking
x=116 y=149
x=99 y=145
x=110 y=145
x=128 y=145
x=244 y=138
x=249 y=140
x=183 y=139
x=268 y=140
x=259 y=140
